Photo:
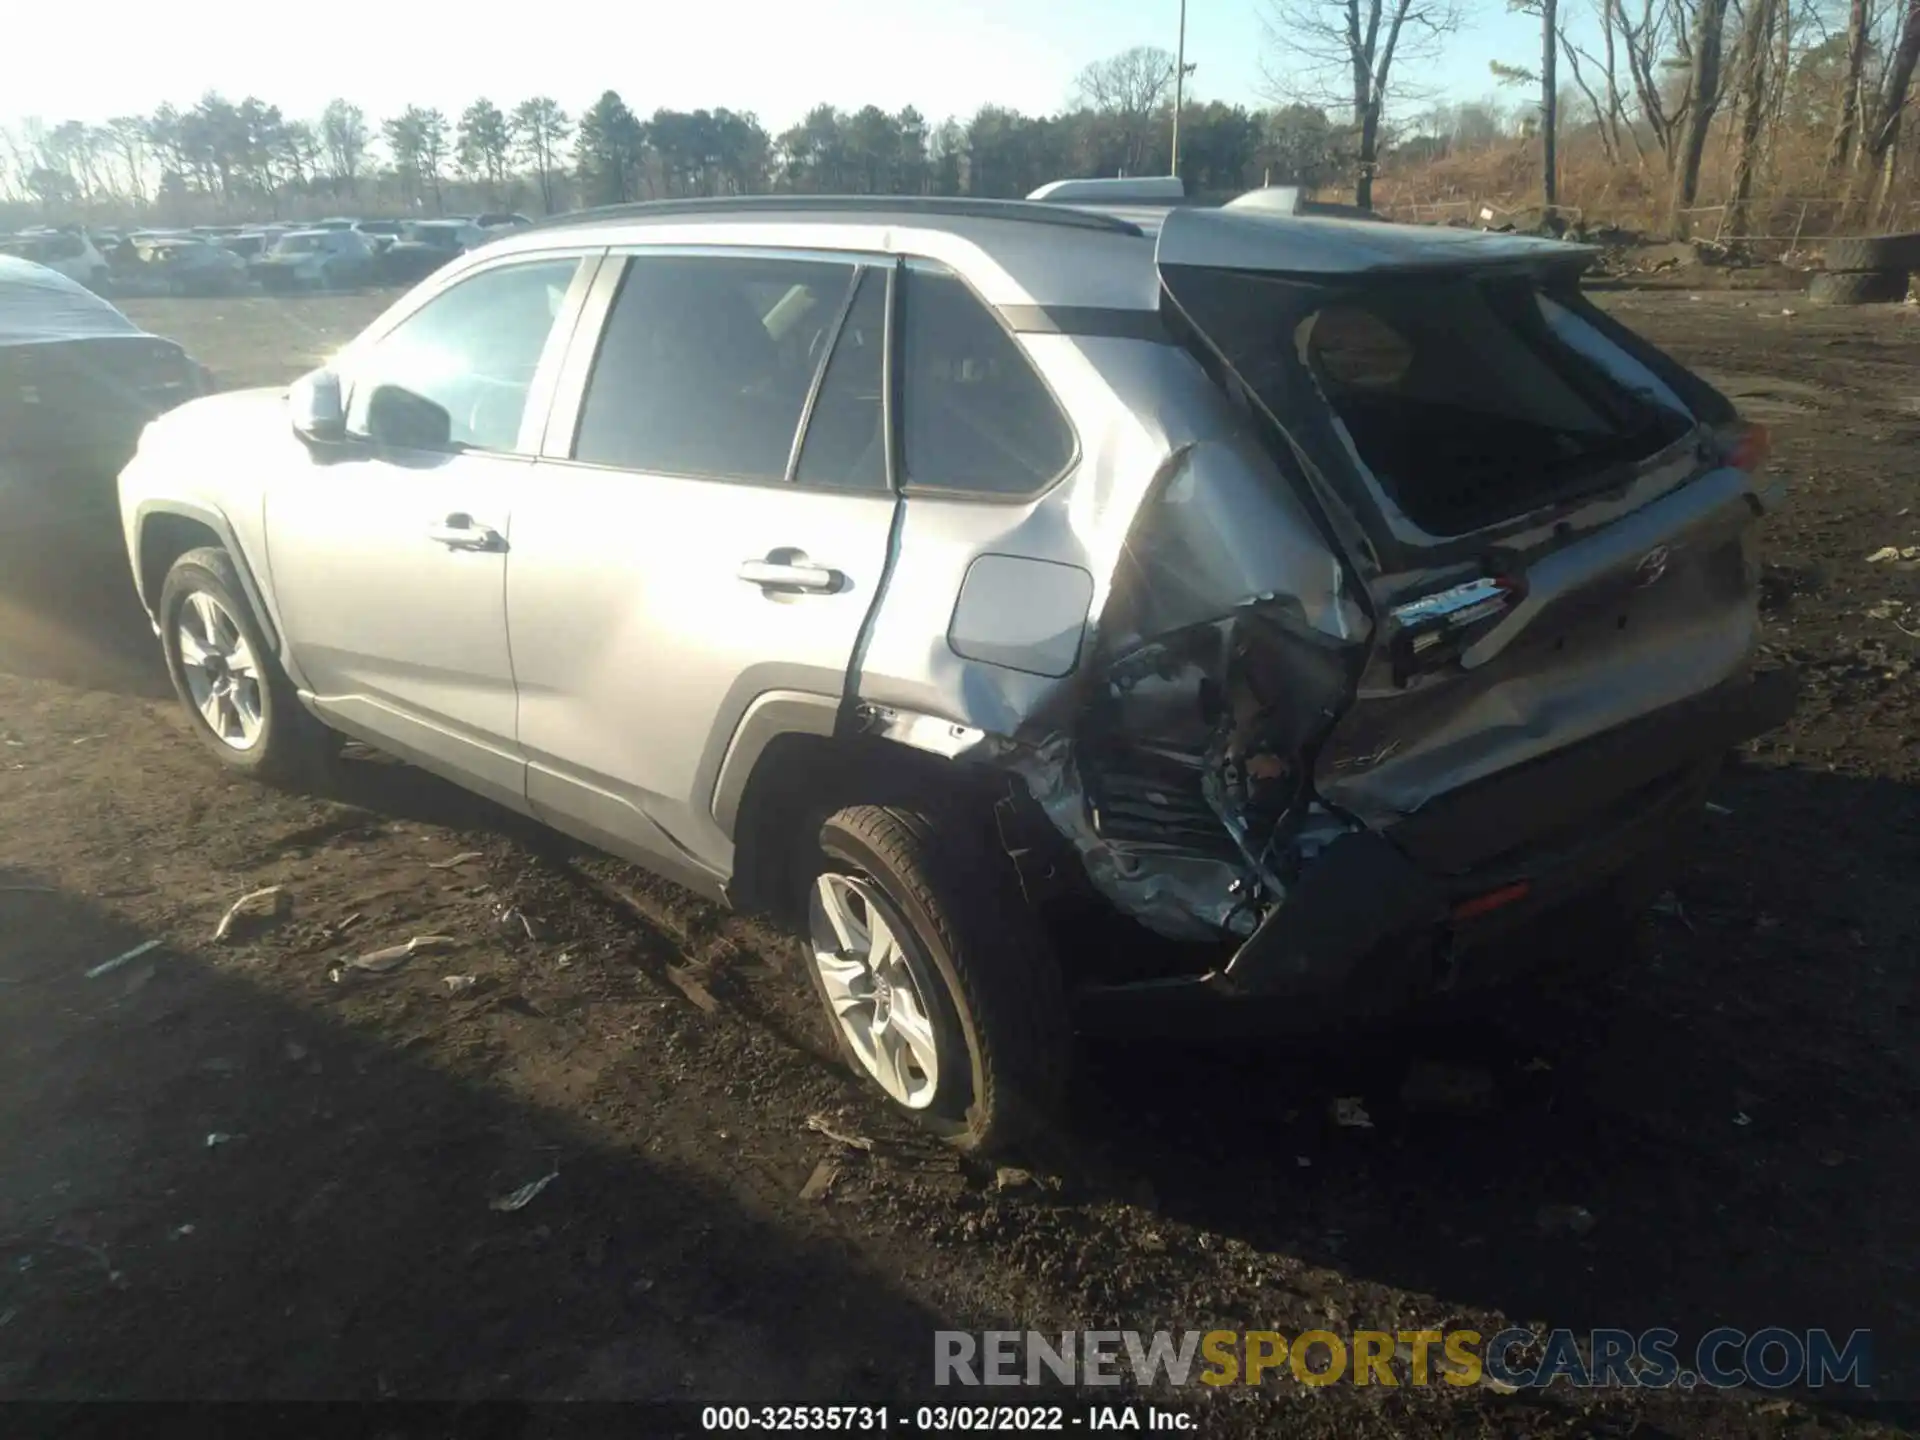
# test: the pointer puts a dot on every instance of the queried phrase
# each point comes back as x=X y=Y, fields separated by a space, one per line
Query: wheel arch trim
x=216 y=521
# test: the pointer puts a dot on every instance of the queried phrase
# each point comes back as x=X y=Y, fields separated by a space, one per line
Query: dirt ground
x=227 y=1174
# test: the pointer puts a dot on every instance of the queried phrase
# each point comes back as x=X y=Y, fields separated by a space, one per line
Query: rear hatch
x=1548 y=519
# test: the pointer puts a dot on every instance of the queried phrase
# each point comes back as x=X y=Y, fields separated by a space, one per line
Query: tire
x=1873 y=252
x=1857 y=287
x=202 y=597
x=976 y=966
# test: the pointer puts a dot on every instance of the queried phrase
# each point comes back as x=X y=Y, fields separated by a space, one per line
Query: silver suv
x=1290 y=603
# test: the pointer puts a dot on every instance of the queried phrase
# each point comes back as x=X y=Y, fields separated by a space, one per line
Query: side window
x=705 y=364
x=472 y=350
x=977 y=418
x=846 y=442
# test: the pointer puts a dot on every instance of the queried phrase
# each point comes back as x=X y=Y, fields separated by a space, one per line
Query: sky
x=776 y=58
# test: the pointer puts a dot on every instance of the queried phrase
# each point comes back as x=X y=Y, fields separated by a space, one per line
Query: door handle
x=789 y=575
x=458 y=532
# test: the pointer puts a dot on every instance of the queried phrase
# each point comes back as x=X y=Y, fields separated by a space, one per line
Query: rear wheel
x=936 y=978
x=239 y=701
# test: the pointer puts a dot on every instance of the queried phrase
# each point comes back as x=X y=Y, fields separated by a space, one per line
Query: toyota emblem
x=1652 y=566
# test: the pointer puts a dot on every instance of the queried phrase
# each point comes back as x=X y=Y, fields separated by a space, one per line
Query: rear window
x=1470 y=399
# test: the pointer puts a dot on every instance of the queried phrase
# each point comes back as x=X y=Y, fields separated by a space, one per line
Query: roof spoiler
x=1126 y=190
x=1269 y=200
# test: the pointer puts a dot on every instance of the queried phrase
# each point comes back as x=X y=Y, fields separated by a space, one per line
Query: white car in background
x=67 y=252
x=315 y=260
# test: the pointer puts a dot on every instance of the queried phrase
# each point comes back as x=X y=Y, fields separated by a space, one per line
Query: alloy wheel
x=876 y=986
x=222 y=676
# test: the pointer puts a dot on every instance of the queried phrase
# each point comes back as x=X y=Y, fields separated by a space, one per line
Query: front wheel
x=239 y=701
x=937 y=980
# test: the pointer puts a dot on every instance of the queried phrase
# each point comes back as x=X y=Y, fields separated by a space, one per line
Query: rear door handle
x=458 y=532
x=789 y=575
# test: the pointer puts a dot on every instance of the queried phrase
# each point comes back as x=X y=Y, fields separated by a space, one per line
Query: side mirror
x=397 y=416
x=316 y=408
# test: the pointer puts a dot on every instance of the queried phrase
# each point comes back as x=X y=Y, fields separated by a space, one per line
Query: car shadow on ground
x=1720 y=1132
x=211 y=1193
x=69 y=612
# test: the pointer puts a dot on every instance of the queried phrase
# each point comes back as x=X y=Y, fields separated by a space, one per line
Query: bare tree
x=1548 y=13
x=1350 y=48
x=1880 y=135
x=540 y=130
x=1647 y=40
x=1852 y=75
x=1751 y=86
x=127 y=134
x=1697 y=104
x=343 y=133
x=1129 y=89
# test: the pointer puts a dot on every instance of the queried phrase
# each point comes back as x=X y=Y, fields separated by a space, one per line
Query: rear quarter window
x=977 y=418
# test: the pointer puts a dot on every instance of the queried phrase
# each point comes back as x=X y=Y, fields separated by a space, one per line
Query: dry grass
x=1793 y=196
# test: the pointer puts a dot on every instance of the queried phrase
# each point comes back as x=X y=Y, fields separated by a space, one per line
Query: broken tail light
x=1746 y=446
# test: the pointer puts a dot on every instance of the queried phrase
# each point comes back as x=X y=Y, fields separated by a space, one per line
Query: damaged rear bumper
x=1381 y=921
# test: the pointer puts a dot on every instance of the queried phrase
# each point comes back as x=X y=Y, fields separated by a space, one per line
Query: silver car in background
x=1316 y=598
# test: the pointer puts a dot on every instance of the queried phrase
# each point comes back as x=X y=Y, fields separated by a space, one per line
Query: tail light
x=1747 y=446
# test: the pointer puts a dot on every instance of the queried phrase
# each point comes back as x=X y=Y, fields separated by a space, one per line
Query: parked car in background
x=500 y=219
x=78 y=382
x=248 y=244
x=425 y=245
x=1325 y=597
x=188 y=267
x=68 y=252
x=380 y=233
x=315 y=260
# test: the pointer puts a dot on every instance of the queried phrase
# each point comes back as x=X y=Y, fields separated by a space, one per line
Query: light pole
x=1180 y=72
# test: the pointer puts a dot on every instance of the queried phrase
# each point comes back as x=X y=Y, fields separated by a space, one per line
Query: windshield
x=298 y=245
x=425 y=232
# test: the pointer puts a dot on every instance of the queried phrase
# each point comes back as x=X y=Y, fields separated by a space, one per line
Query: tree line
x=1651 y=107
x=223 y=157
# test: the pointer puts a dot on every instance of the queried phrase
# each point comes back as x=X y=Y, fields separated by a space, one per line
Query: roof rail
x=1125 y=190
x=938 y=206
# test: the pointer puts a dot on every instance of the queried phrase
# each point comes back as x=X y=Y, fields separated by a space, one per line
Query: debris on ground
x=1887 y=553
x=393 y=956
x=107 y=967
x=253 y=910
x=1348 y=1111
x=459 y=984
x=454 y=861
x=217 y=1138
x=512 y=917
x=688 y=986
x=524 y=1196
x=1575 y=1220
x=1012 y=1177
x=1434 y=1088
x=819 y=1122
x=821 y=1181
x=1668 y=907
